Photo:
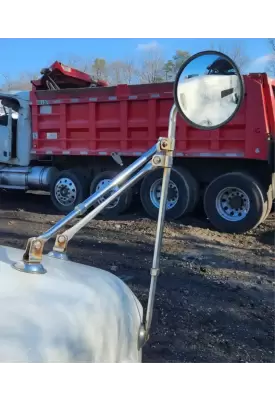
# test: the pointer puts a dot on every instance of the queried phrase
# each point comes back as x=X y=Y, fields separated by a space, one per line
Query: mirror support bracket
x=60 y=247
x=166 y=144
x=163 y=160
x=32 y=258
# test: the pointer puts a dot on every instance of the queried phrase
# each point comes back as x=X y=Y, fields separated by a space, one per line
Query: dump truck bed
x=128 y=119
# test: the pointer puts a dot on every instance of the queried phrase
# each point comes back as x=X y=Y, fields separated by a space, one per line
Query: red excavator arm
x=59 y=76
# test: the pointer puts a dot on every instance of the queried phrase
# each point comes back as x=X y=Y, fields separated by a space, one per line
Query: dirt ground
x=215 y=295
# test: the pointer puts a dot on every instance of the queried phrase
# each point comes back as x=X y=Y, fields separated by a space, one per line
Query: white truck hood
x=73 y=313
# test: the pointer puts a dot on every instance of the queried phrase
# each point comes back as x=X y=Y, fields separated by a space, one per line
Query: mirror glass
x=208 y=90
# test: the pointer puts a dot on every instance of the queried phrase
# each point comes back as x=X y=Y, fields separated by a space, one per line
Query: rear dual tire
x=236 y=203
x=252 y=203
x=183 y=193
x=120 y=204
x=71 y=187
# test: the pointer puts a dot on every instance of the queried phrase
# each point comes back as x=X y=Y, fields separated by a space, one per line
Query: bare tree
x=121 y=72
x=115 y=72
x=237 y=52
x=99 y=68
x=128 y=72
x=270 y=69
x=7 y=85
x=152 y=67
x=78 y=62
x=21 y=83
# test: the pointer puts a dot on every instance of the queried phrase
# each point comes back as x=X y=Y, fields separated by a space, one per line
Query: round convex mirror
x=209 y=90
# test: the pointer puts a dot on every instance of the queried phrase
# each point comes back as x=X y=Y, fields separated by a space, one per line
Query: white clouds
x=261 y=62
x=148 y=46
x=265 y=59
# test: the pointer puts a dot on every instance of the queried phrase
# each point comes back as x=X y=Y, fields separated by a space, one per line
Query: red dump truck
x=70 y=135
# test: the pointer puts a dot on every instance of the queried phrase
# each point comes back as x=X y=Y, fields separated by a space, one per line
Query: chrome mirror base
x=30 y=268
x=57 y=254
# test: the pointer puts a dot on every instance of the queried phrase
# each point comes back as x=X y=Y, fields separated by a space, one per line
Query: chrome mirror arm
x=32 y=257
x=144 y=332
x=62 y=240
x=86 y=204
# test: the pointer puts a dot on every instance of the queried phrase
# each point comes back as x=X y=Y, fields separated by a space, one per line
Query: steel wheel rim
x=172 y=197
x=232 y=204
x=101 y=185
x=65 y=192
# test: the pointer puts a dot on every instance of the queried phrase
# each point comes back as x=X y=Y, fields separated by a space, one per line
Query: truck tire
x=68 y=189
x=120 y=204
x=235 y=203
x=183 y=193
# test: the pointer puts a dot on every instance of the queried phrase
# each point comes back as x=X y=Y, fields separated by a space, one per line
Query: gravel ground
x=215 y=295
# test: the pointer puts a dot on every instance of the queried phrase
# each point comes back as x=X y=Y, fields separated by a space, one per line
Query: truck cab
x=18 y=167
x=15 y=128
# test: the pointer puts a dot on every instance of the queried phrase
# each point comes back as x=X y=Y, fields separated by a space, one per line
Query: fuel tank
x=27 y=178
x=72 y=313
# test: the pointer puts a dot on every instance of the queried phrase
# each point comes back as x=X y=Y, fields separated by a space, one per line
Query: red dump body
x=129 y=120
x=65 y=77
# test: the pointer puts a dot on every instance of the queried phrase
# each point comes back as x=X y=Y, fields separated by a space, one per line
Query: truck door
x=6 y=136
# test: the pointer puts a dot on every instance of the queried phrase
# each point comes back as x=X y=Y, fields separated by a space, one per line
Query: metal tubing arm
x=160 y=225
x=81 y=208
x=63 y=239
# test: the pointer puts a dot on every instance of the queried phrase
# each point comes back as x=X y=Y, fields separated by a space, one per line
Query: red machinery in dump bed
x=72 y=134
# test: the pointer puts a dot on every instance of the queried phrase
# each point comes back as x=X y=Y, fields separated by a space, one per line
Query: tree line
x=151 y=68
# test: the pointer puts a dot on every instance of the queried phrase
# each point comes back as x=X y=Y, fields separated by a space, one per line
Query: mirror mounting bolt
x=156 y=161
x=61 y=243
x=162 y=160
x=166 y=144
